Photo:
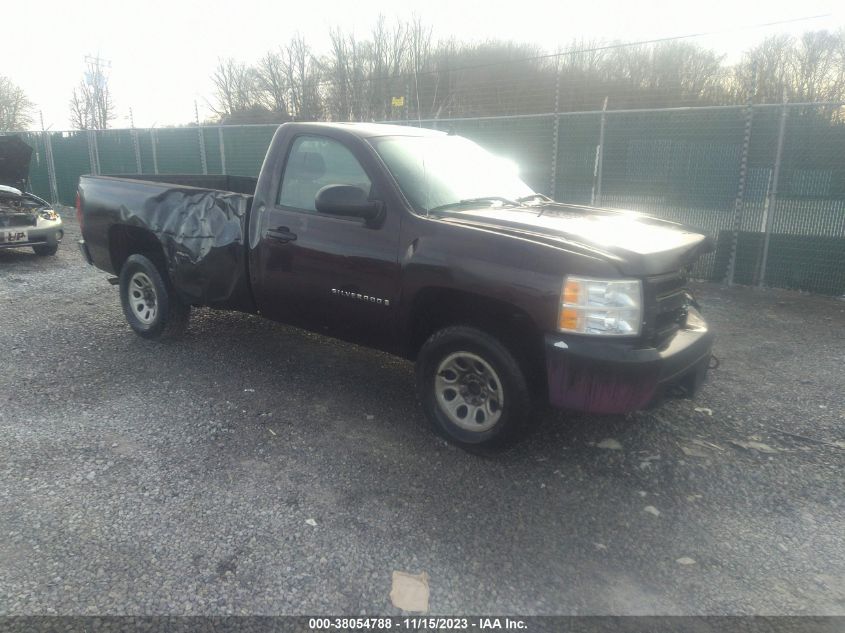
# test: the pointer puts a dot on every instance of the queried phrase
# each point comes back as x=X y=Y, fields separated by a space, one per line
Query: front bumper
x=599 y=376
x=41 y=235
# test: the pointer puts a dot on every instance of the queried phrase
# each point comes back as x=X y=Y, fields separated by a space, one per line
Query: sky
x=162 y=53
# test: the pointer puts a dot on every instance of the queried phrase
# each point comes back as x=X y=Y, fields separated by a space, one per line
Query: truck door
x=327 y=273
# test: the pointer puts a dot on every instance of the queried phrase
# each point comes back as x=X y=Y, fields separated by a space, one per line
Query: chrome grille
x=665 y=306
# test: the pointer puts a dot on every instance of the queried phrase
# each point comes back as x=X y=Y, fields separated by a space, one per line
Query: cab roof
x=370 y=130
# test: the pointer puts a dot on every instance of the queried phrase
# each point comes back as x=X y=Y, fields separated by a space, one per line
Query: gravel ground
x=139 y=478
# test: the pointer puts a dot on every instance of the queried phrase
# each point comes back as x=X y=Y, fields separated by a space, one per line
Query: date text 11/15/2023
x=418 y=623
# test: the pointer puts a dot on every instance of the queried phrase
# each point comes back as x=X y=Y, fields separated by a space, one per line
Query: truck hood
x=637 y=244
x=15 y=156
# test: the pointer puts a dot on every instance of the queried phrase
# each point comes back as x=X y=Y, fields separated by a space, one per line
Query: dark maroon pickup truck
x=425 y=245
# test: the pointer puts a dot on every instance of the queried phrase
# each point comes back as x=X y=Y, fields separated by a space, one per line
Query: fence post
x=97 y=152
x=135 y=144
x=51 y=168
x=599 y=165
x=771 y=198
x=137 y=151
x=154 y=145
x=93 y=152
x=739 y=202
x=222 y=149
x=201 y=138
x=555 y=135
x=51 y=165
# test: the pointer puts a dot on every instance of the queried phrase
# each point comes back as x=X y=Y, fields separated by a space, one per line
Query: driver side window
x=313 y=163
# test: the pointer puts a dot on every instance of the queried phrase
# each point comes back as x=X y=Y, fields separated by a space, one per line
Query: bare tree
x=15 y=108
x=303 y=80
x=235 y=88
x=91 y=105
x=359 y=78
x=671 y=73
x=810 y=68
x=363 y=75
x=339 y=68
x=271 y=76
x=385 y=63
x=765 y=70
x=818 y=66
x=488 y=78
x=80 y=112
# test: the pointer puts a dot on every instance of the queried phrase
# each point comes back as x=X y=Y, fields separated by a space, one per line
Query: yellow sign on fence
x=398 y=102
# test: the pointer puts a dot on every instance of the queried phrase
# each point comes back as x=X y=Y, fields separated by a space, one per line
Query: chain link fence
x=767 y=181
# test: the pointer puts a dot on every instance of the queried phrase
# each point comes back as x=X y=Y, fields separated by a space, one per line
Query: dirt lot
x=137 y=478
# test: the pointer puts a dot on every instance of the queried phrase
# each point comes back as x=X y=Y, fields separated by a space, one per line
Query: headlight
x=49 y=214
x=604 y=307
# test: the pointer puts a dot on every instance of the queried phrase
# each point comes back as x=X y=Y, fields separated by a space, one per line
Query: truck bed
x=232 y=184
x=197 y=223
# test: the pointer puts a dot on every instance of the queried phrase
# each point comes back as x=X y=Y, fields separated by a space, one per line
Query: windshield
x=441 y=171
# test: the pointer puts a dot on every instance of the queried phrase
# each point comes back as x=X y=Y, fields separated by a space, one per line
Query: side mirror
x=347 y=201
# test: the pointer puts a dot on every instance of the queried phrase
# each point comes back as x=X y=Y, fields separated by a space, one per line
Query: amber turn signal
x=571 y=292
x=568 y=319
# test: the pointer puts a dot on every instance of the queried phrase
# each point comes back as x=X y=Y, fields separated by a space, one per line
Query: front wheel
x=472 y=388
x=149 y=302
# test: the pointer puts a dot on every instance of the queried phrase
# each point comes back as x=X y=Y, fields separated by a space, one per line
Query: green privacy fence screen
x=767 y=182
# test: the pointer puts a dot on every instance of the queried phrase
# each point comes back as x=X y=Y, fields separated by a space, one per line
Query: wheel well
x=130 y=240
x=436 y=308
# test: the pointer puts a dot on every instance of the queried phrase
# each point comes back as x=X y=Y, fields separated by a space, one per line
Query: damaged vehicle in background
x=25 y=219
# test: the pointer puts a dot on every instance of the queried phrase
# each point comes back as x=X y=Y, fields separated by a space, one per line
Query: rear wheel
x=45 y=250
x=149 y=302
x=472 y=388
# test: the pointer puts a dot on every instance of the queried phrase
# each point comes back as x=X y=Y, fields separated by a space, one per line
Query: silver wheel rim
x=142 y=298
x=469 y=392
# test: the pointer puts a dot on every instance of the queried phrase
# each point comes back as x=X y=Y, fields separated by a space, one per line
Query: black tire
x=45 y=250
x=170 y=316
x=516 y=415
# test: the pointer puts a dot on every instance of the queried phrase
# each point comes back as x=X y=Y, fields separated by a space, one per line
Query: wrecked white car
x=25 y=219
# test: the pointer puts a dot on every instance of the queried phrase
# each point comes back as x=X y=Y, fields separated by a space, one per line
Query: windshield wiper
x=475 y=201
x=535 y=196
x=539 y=197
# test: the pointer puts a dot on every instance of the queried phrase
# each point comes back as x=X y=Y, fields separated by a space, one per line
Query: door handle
x=281 y=234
